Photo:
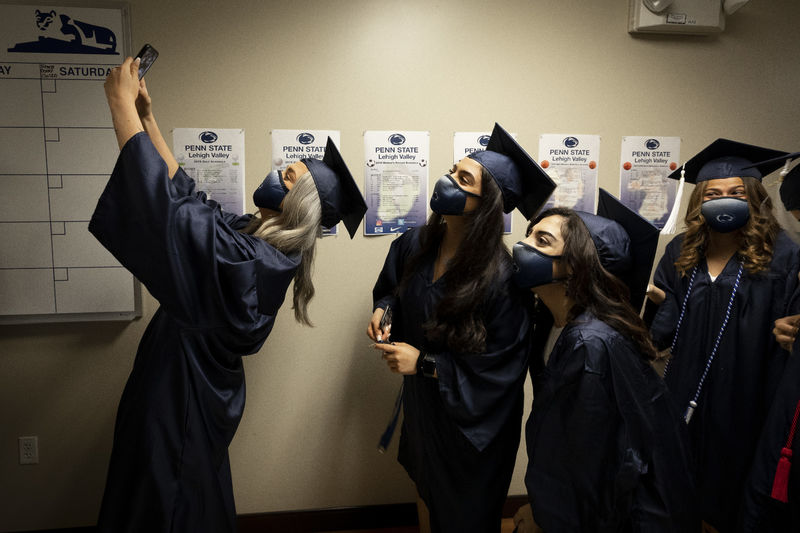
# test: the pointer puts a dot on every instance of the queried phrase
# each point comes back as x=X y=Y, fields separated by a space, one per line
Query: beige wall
x=318 y=398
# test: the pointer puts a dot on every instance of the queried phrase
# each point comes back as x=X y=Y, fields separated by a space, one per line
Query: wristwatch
x=426 y=364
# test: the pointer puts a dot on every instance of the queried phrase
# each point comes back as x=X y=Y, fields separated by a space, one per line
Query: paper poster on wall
x=57 y=150
x=396 y=180
x=571 y=161
x=214 y=158
x=290 y=146
x=466 y=142
x=645 y=163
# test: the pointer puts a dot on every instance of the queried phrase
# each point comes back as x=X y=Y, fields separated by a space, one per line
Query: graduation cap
x=721 y=159
x=522 y=181
x=626 y=243
x=338 y=192
x=726 y=159
x=611 y=242
x=790 y=186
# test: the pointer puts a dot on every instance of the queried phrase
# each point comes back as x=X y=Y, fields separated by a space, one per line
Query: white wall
x=318 y=399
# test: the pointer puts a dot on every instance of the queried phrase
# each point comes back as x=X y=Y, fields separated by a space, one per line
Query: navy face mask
x=448 y=198
x=725 y=214
x=532 y=268
x=271 y=192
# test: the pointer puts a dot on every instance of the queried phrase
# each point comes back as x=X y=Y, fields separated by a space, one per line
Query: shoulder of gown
x=188 y=254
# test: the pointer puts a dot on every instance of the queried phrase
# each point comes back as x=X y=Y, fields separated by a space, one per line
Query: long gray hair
x=295 y=229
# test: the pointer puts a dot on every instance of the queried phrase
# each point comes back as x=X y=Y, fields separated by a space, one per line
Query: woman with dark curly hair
x=720 y=286
x=607 y=450
x=464 y=333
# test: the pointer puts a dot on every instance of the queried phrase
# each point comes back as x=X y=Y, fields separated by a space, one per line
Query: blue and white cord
x=680 y=318
x=693 y=402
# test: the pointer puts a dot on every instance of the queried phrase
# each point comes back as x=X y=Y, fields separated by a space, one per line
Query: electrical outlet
x=29 y=450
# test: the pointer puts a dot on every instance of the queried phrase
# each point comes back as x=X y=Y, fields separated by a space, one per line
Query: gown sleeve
x=480 y=391
x=185 y=186
x=666 y=278
x=200 y=269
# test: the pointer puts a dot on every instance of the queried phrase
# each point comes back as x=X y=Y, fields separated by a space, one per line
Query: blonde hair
x=295 y=229
x=757 y=241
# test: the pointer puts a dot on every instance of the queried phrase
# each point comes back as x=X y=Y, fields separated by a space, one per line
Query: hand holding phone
x=385 y=325
x=147 y=56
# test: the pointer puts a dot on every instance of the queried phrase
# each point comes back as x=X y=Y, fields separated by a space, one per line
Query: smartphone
x=385 y=323
x=147 y=55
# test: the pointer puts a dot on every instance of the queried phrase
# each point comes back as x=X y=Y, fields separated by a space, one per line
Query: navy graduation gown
x=460 y=432
x=762 y=513
x=726 y=425
x=219 y=291
x=607 y=450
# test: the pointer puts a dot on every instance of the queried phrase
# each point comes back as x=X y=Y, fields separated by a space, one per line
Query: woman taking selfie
x=219 y=279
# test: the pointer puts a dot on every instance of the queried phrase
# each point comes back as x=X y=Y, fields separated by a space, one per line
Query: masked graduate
x=773 y=492
x=219 y=279
x=607 y=450
x=721 y=284
x=460 y=332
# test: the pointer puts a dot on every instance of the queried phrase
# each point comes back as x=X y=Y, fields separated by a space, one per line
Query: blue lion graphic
x=70 y=37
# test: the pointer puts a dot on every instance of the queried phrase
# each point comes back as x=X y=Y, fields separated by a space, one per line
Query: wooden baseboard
x=305 y=521
x=347 y=518
x=343 y=518
x=87 y=529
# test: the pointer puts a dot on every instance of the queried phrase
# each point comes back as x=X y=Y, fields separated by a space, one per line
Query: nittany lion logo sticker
x=397 y=139
x=305 y=138
x=61 y=34
x=652 y=144
x=208 y=137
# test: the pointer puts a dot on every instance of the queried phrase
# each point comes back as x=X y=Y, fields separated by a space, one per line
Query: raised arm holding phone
x=220 y=279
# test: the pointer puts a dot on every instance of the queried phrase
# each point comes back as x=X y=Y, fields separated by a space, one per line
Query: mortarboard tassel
x=785 y=170
x=672 y=222
x=780 y=485
x=386 y=438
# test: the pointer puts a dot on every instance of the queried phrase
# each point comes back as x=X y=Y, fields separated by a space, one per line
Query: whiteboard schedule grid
x=57 y=150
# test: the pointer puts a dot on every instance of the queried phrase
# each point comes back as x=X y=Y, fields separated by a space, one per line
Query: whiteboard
x=57 y=149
